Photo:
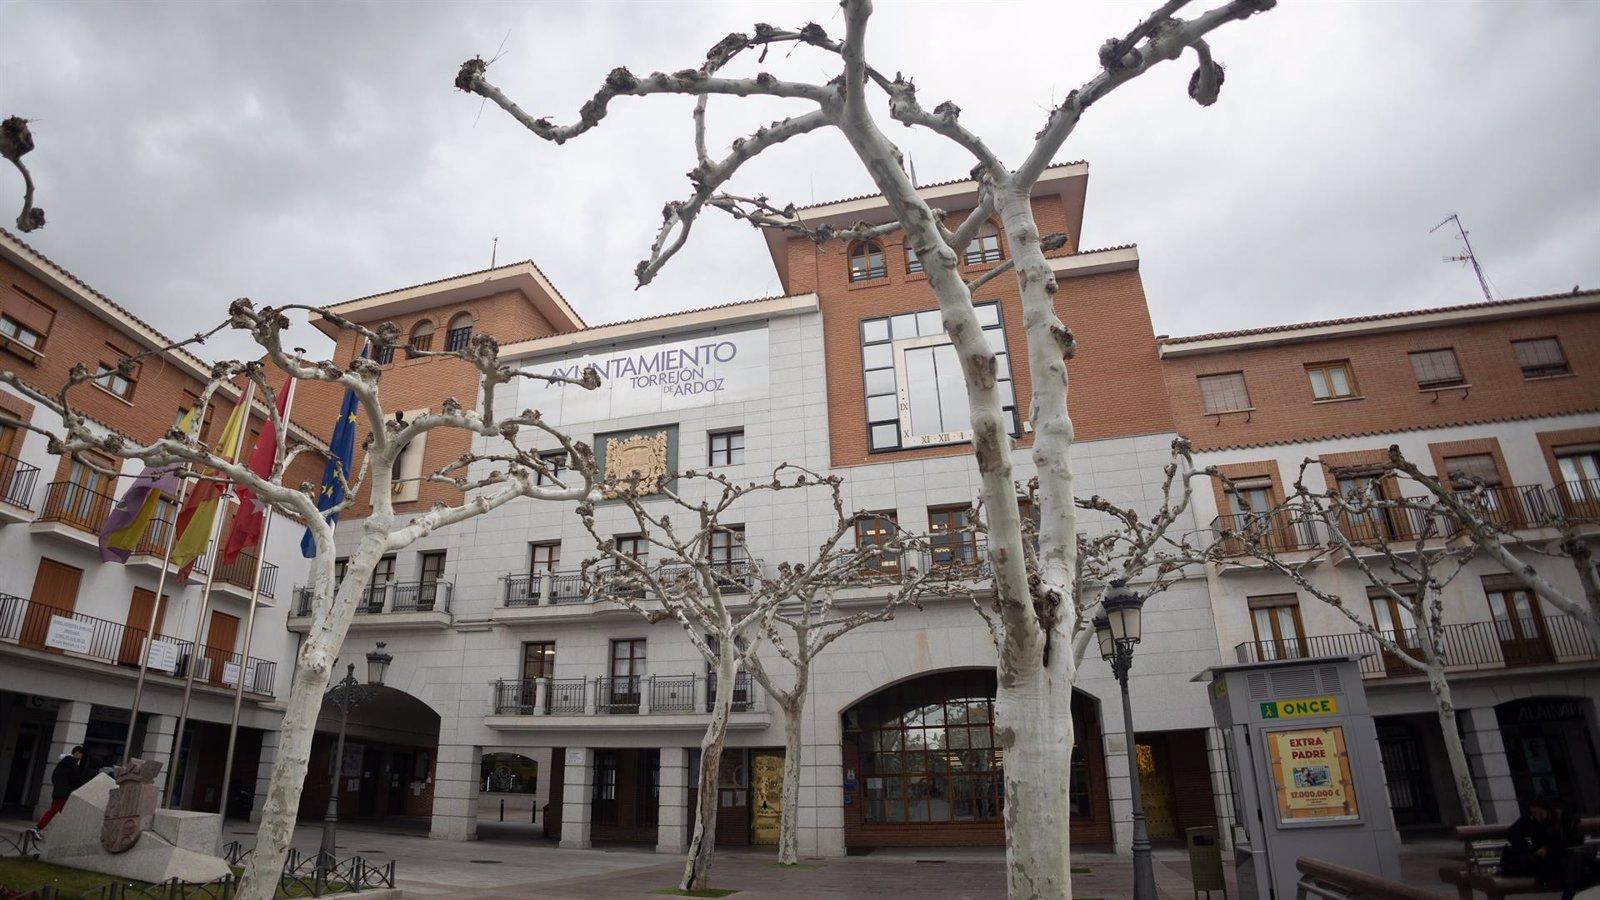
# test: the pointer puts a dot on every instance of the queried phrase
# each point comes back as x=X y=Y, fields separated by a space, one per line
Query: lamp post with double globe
x=348 y=692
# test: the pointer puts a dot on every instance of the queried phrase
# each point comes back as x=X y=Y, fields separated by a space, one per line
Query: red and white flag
x=246 y=530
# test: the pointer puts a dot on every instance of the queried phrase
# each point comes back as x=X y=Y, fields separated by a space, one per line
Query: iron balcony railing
x=241 y=573
x=624 y=695
x=73 y=504
x=27 y=624
x=544 y=587
x=1578 y=499
x=389 y=597
x=17 y=479
x=1506 y=643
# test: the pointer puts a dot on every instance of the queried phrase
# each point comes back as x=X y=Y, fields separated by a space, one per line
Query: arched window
x=460 y=332
x=985 y=247
x=422 y=335
x=866 y=261
x=913 y=262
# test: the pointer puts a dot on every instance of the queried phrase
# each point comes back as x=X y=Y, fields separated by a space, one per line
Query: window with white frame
x=916 y=395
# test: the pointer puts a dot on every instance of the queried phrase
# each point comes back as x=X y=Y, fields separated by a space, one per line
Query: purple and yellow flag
x=131 y=516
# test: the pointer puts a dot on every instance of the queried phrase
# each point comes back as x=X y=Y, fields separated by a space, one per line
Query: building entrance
x=1550 y=750
x=766 y=797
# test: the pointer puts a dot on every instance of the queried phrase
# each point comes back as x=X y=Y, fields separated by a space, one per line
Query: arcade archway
x=390 y=746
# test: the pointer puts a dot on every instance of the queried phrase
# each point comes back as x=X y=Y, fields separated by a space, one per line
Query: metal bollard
x=502 y=810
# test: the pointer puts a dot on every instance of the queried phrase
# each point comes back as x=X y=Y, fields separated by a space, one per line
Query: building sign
x=656 y=377
x=162 y=656
x=69 y=634
x=230 y=674
x=1299 y=709
x=1311 y=774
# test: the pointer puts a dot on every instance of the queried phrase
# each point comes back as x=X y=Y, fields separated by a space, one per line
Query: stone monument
x=112 y=825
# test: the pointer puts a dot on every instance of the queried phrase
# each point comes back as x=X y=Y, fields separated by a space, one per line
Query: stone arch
x=391 y=747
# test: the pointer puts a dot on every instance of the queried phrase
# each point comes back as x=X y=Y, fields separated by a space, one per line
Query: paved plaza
x=508 y=862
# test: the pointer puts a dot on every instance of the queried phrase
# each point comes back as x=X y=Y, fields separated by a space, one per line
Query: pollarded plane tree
x=698 y=573
x=1033 y=705
x=1491 y=517
x=486 y=481
x=16 y=141
x=1406 y=550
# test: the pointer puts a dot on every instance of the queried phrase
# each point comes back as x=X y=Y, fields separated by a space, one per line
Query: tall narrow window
x=1224 y=393
x=1276 y=623
x=1331 y=380
x=538 y=660
x=1580 y=480
x=546 y=557
x=1436 y=368
x=873 y=531
x=953 y=543
x=866 y=261
x=378 y=587
x=627 y=675
x=985 y=247
x=727 y=447
x=432 y=574
x=1518 y=622
x=422 y=335
x=460 y=332
x=913 y=261
x=1541 y=357
x=727 y=546
x=604 y=799
x=1362 y=519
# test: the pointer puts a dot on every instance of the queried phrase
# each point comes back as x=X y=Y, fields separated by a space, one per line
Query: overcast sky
x=190 y=153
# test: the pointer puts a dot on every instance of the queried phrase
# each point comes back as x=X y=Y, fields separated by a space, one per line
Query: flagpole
x=150 y=629
x=250 y=619
x=205 y=605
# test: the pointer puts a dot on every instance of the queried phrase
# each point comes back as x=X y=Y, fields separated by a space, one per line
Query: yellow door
x=766 y=797
x=1155 y=785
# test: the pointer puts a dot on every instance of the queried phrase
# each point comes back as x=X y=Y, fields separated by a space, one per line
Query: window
x=913 y=262
x=727 y=546
x=932 y=762
x=460 y=332
x=17 y=333
x=378 y=587
x=1361 y=521
x=1541 y=357
x=546 y=557
x=866 y=261
x=1580 y=480
x=727 y=447
x=1250 y=497
x=109 y=379
x=915 y=393
x=555 y=462
x=1392 y=618
x=432 y=574
x=1471 y=470
x=985 y=248
x=383 y=355
x=627 y=674
x=634 y=546
x=1518 y=622
x=1224 y=393
x=1278 y=631
x=422 y=335
x=1331 y=380
x=538 y=660
x=875 y=530
x=1436 y=369
x=604 y=805
x=953 y=544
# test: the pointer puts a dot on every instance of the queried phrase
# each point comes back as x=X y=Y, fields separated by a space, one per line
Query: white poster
x=69 y=634
x=163 y=656
x=230 y=674
x=654 y=377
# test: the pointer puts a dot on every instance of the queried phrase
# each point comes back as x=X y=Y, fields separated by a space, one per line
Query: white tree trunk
x=1033 y=727
x=703 y=840
x=1455 y=751
x=313 y=668
x=789 y=815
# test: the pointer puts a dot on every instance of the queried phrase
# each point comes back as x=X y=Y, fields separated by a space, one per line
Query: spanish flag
x=132 y=514
x=200 y=508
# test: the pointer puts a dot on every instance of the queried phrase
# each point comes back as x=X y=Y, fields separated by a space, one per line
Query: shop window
x=1436 y=369
x=866 y=261
x=1541 y=357
x=916 y=395
x=1331 y=380
x=1224 y=393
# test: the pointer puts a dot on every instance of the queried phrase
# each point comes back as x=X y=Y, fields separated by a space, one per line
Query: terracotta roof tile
x=663 y=315
x=1060 y=165
x=511 y=265
x=1375 y=317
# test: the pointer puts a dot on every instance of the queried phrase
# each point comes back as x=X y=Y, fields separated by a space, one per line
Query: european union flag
x=343 y=446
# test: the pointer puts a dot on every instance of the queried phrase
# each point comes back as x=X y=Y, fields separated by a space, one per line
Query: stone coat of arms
x=131 y=807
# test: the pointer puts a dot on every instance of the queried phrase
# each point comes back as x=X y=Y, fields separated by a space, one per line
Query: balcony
x=1470 y=646
x=659 y=701
x=26 y=624
x=387 y=604
x=238 y=577
x=17 y=480
x=74 y=512
x=543 y=588
x=1577 y=499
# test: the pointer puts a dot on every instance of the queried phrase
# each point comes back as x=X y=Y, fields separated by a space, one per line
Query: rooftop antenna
x=1468 y=256
x=913 y=162
x=494 y=251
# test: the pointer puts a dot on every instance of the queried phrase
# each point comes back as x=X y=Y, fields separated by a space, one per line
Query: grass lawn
x=27 y=874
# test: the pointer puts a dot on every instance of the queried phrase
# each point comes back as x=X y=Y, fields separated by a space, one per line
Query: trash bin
x=1205 y=859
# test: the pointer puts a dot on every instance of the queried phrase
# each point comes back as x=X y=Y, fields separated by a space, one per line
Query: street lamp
x=1118 y=629
x=349 y=692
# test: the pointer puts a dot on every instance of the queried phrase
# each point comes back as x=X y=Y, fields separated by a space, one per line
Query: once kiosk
x=1307 y=776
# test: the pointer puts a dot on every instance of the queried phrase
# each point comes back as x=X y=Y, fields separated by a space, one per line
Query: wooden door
x=220 y=639
x=133 y=629
x=55 y=593
x=9 y=445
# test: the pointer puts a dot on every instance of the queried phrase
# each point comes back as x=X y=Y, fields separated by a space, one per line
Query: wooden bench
x=1482 y=846
x=1328 y=881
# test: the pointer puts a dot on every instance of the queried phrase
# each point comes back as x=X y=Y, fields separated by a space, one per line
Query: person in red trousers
x=67 y=777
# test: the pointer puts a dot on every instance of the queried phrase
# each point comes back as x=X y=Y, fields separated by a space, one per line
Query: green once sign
x=1295 y=709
